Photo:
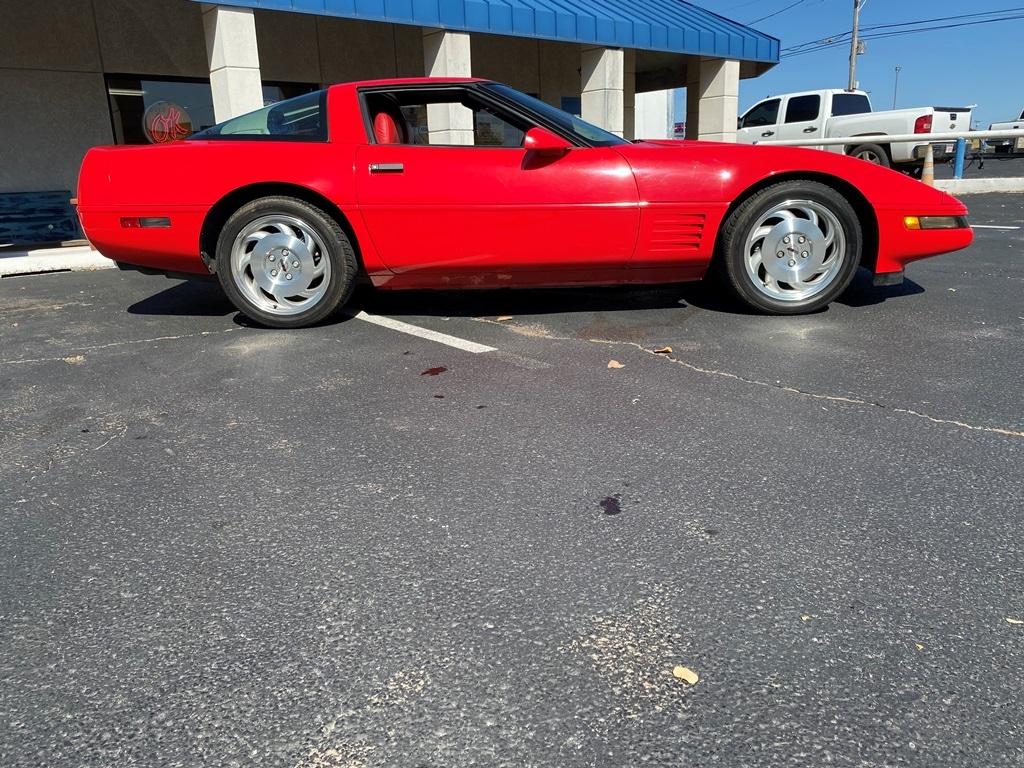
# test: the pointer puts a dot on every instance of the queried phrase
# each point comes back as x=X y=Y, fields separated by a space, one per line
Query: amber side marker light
x=935 y=222
x=136 y=222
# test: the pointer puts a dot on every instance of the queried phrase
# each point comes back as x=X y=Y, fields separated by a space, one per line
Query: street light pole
x=854 y=43
x=896 y=85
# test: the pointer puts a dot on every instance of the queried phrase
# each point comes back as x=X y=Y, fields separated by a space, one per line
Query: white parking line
x=424 y=333
x=990 y=226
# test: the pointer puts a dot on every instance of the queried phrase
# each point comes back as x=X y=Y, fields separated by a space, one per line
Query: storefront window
x=153 y=111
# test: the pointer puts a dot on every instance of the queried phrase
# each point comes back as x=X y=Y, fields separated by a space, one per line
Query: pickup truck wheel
x=791 y=248
x=285 y=263
x=872 y=153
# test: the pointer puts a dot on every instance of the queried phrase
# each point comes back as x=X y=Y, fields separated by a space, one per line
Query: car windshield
x=591 y=134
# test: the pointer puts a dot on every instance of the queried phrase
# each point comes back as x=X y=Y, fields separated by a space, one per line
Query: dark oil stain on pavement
x=434 y=371
x=611 y=505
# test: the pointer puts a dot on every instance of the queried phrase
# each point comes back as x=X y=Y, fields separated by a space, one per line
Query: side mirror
x=544 y=142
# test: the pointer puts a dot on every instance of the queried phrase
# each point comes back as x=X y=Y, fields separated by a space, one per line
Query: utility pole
x=854 y=44
x=896 y=86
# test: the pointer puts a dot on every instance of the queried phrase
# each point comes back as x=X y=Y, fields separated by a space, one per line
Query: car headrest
x=385 y=129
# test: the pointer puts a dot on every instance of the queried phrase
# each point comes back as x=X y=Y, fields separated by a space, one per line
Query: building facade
x=77 y=73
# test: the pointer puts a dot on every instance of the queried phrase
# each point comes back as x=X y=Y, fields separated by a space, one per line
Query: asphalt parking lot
x=988 y=166
x=351 y=546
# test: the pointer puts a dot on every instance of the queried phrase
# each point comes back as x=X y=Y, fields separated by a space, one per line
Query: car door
x=760 y=123
x=490 y=207
x=801 y=118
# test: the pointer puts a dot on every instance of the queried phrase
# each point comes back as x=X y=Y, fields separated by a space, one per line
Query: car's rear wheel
x=285 y=263
x=872 y=153
x=791 y=248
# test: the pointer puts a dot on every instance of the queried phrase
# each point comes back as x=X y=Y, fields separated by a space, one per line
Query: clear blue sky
x=981 y=65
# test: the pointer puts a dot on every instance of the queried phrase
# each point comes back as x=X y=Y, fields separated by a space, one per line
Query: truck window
x=802 y=109
x=850 y=104
x=765 y=113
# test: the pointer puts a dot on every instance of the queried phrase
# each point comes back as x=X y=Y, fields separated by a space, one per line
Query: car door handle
x=768 y=133
x=812 y=129
x=387 y=167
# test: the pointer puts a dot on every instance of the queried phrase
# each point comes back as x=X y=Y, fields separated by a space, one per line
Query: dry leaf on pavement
x=615 y=364
x=663 y=351
x=686 y=674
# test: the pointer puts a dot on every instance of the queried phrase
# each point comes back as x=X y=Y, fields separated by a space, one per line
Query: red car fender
x=717 y=176
x=198 y=179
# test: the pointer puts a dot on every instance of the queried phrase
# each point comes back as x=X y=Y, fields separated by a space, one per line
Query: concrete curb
x=979 y=186
x=75 y=259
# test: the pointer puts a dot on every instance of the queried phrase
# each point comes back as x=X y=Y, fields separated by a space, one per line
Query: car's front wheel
x=792 y=247
x=285 y=263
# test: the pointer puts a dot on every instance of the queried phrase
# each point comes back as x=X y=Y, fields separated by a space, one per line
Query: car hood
x=674 y=170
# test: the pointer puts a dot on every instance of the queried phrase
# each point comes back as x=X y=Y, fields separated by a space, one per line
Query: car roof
x=399 y=81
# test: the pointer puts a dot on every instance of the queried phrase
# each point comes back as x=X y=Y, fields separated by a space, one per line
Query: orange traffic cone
x=928 y=171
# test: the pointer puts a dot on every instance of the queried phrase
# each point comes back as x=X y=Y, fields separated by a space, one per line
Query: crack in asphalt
x=75 y=356
x=860 y=401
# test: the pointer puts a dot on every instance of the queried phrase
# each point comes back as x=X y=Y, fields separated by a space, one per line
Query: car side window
x=765 y=113
x=442 y=117
x=802 y=109
x=302 y=118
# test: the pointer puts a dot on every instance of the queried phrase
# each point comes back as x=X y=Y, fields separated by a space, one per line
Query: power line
x=742 y=5
x=833 y=42
x=840 y=36
x=776 y=13
x=946 y=18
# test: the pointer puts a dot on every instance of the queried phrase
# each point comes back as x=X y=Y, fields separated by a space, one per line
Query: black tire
x=743 y=222
x=872 y=153
x=335 y=246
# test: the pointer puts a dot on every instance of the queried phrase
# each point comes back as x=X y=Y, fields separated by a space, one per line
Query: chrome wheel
x=795 y=251
x=280 y=264
x=870 y=155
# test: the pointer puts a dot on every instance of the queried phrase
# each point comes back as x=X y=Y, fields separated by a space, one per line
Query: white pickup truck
x=834 y=113
x=1006 y=145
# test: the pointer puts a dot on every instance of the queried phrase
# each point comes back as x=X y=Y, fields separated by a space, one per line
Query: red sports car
x=427 y=183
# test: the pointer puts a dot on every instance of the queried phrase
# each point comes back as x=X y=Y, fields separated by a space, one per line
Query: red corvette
x=427 y=183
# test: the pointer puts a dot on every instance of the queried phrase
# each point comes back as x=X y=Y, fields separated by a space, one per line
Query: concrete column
x=602 y=77
x=653 y=115
x=716 y=99
x=629 y=94
x=234 y=60
x=447 y=54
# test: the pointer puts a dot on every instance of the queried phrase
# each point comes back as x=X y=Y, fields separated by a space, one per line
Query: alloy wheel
x=795 y=250
x=280 y=264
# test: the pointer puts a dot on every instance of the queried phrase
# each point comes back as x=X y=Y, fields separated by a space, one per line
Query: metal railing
x=929 y=139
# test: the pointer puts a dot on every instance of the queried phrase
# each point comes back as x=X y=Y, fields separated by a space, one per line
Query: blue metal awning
x=671 y=26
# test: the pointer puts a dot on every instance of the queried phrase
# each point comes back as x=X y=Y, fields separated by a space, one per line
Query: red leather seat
x=385 y=129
